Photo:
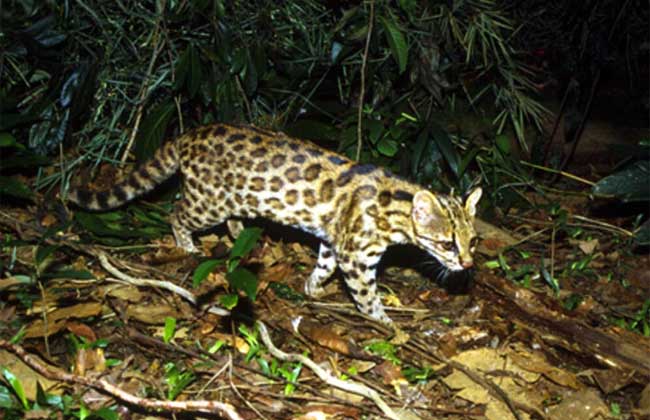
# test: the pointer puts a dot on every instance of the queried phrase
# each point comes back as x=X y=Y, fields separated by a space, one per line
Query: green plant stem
x=364 y=62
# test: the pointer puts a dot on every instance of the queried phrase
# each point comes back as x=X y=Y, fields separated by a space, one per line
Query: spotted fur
x=357 y=210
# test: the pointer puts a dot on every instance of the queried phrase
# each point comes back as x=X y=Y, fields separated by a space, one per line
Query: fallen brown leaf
x=81 y=330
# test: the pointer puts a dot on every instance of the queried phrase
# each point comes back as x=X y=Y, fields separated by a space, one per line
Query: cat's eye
x=448 y=245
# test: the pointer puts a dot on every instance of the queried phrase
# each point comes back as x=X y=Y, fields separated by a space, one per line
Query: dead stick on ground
x=163 y=284
x=205 y=406
x=325 y=376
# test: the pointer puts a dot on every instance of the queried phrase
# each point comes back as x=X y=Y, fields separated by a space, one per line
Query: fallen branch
x=327 y=377
x=544 y=317
x=204 y=406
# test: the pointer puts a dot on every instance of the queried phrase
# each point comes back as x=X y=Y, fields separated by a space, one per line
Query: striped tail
x=153 y=172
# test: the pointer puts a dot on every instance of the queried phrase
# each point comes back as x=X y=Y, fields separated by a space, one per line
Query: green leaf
x=22 y=160
x=42 y=252
x=238 y=61
x=285 y=292
x=96 y=224
x=245 y=242
x=631 y=184
x=105 y=413
x=446 y=147
x=407 y=5
x=642 y=235
x=17 y=387
x=550 y=280
x=195 y=76
x=250 y=77
x=466 y=160
x=203 y=270
x=503 y=144
x=375 y=129
x=84 y=412
x=5 y=398
x=397 y=43
x=182 y=65
x=170 y=329
x=13 y=187
x=229 y=301
x=387 y=147
x=153 y=131
x=7 y=140
x=242 y=279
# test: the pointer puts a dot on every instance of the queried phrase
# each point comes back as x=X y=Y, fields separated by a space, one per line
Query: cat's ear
x=472 y=201
x=426 y=208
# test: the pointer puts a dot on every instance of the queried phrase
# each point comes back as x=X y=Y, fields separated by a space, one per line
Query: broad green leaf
x=24 y=159
x=242 y=279
x=387 y=147
x=238 y=61
x=170 y=329
x=397 y=43
x=13 y=187
x=245 y=242
x=42 y=252
x=106 y=413
x=503 y=144
x=631 y=184
x=407 y=5
x=446 y=147
x=182 y=65
x=196 y=72
x=5 y=398
x=7 y=140
x=229 y=301
x=250 y=76
x=466 y=160
x=17 y=387
x=153 y=131
x=83 y=413
x=375 y=129
x=203 y=270
x=107 y=231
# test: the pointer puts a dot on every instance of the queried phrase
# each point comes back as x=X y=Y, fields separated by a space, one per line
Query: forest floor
x=554 y=324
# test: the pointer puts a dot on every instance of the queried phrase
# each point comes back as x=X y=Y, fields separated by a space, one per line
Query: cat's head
x=444 y=226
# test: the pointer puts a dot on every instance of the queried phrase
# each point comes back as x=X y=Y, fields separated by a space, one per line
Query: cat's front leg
x=360 y=271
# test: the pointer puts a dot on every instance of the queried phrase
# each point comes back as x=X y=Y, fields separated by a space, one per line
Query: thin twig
x=162 y=284
x=364 y=61
x=557 y=172
x=157 y=48
x=588 y=223
x=205 y=406
x=325 y=376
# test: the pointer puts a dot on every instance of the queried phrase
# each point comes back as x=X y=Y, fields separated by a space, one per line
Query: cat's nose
x=467 y=264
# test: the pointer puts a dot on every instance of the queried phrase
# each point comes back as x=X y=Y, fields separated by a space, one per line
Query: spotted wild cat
x=356 y=210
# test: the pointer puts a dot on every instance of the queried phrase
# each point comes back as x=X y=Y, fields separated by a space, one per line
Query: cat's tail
x=153 y=172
